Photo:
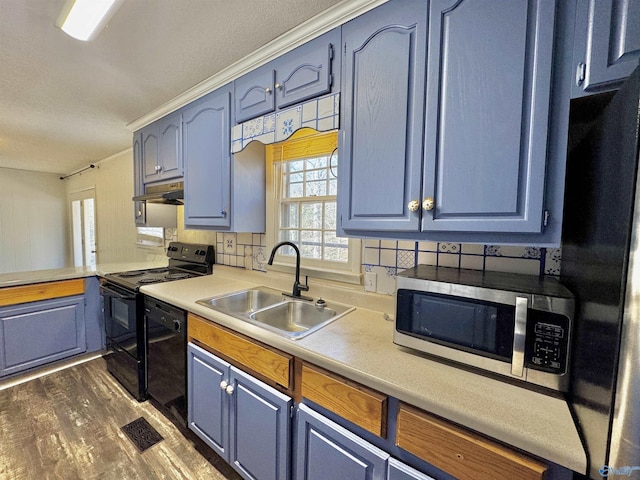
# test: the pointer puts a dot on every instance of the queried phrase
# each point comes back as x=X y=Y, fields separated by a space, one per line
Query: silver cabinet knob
x=158 y=168
x=223 y=212
x=229 y=390
x=278 y=86
x=267 y=89
x=413 y=205
x=428 y=204
x=223 y=385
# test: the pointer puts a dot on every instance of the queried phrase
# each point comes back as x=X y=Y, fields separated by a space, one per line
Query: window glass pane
x=316 y=189
x=317 y=163
x=294 y=190
x=311 y=244
x=295 y=177
x=295 y=166
x=336 y=249
x=316 y=175
x=333 y=186
x=289 y=215
x=330 y=215
x=312 y=215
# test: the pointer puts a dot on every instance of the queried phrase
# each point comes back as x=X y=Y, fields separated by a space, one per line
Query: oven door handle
x=519 y=337
x=120 y=295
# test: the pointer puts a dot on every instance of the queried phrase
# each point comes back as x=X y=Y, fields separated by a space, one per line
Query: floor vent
x=142 y=434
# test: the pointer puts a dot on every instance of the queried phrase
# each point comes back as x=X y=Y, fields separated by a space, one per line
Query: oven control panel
x=191 y=252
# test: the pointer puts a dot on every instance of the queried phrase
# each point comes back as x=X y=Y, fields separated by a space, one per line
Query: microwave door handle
x=519 y=337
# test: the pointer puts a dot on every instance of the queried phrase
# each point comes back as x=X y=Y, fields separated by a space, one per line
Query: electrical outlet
x=370 y=282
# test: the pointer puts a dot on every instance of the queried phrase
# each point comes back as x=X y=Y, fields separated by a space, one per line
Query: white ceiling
x=65 y=104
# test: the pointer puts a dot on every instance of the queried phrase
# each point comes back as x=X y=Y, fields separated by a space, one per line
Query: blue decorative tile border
x=396 y=256
x=321 y=114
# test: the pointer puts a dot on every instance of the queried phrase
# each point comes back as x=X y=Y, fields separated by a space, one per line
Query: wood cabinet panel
x=273 y=365
x=460 y=452
x=356 y=403
x=40 y=291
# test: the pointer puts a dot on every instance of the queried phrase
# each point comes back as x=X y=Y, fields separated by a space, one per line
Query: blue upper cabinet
x=206 y=150
x=254 y=93
x=169 y=141
x=382 y=93
x=489 y=78
x=150 y=171
x=607 y=45
x=303 y=73
x=446 y=125
x=161 y=153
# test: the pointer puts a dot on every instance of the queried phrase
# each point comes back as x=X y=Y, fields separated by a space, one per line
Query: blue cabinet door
x=383 y=75
x=607 y=47
x=306 y=72
x=325 y=450
x=150 y=146
x=489 y=78
x=139 y=208
x=254 y=94
x=259 y=430
x=208 y=403
x=207 y=160
x=400 y=471
x=169 y=147
x=38 y=333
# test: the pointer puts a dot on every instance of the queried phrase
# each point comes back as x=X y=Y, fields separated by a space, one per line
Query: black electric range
x=124 y=311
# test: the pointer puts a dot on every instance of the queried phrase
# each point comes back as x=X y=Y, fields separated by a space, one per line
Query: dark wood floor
x=66 y=425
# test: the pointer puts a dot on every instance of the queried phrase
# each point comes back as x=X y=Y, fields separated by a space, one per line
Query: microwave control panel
x=547 y=342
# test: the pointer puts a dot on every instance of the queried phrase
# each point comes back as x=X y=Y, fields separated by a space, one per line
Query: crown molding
x=306 y=31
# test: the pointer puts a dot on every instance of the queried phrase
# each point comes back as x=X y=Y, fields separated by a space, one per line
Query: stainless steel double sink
x=270 y=309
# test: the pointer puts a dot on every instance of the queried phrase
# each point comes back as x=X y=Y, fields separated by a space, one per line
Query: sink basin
x=270 y=309
x=245 y=302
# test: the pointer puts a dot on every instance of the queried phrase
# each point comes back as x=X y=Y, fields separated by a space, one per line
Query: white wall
x=33 y=221
x=115 y=229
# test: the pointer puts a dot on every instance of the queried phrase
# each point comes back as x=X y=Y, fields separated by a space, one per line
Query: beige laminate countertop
x=359 y=346
x=40 y=276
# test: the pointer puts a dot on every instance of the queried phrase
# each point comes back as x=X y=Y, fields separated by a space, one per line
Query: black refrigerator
x=601 y=266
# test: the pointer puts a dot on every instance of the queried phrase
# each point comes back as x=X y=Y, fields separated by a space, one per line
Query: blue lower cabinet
x=325 y=450
x=244 y=420
x=38 y=333
x=208 y=409
x=400 y=471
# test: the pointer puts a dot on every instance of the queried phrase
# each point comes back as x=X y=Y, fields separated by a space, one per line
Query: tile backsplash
x=388 y=257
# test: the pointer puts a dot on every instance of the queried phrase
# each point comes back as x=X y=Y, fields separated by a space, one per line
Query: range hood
x=167 y=193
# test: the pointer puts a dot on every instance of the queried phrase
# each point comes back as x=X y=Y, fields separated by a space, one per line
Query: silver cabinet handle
x=229 y=390
x=519 y=337
x=278 y=86
x=267 y=90
x=223 y=212
x=223 y=385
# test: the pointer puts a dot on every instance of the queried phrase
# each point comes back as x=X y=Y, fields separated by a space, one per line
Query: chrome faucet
x=297 y=286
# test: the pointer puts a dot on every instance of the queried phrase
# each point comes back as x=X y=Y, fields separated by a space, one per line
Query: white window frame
x=348 y=272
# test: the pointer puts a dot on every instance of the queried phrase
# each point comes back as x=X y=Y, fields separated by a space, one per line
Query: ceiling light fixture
x=83 y=19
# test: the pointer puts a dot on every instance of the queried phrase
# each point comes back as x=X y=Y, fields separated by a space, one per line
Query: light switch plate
x=370 y=281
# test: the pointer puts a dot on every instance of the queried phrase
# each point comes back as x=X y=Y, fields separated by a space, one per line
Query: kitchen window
x=302 y=194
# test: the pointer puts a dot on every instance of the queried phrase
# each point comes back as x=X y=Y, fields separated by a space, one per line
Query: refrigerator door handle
x=519 y=337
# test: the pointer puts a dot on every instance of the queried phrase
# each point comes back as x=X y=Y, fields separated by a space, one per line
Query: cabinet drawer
x=40 y=291
x=271 y=364
x=356 y=403
x=460 y=452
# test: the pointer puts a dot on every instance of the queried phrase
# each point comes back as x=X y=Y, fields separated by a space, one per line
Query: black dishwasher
x=166 y=358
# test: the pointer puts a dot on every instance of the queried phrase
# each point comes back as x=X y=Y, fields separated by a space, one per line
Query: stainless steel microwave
x=518 y=326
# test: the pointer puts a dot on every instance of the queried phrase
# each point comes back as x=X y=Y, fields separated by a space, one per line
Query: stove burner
x=149 y=280
x=135 y=273
x=176 y=276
